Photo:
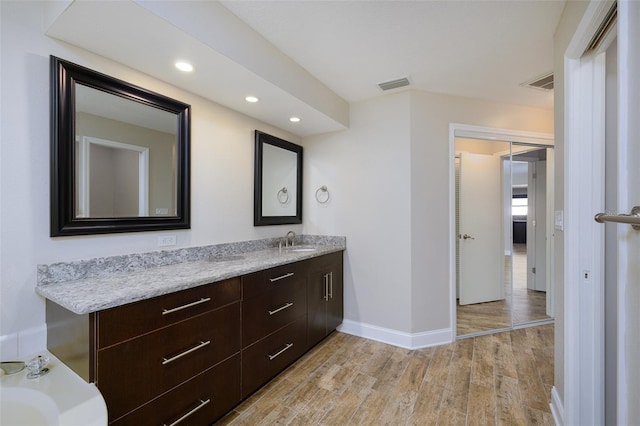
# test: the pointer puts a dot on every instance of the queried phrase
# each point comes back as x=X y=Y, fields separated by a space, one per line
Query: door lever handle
x=466 y=237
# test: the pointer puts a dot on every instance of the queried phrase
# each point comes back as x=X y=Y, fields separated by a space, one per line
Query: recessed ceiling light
x=251 y=99
x=294 y=119
x=184 y=66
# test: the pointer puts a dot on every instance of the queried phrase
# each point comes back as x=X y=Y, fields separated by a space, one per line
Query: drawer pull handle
x=202 y=404
x=281 y=308
x=277 y=354
x=290 y=274
x=201 y=345
x=188 y=305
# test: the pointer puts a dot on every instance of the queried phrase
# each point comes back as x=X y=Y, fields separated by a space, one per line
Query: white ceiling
x=311 y=58
x=479 y=49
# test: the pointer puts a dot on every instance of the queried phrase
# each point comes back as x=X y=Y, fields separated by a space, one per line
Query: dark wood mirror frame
x=258 y=218
x=64 y=76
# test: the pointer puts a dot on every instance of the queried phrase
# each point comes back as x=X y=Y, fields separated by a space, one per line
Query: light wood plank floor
x=528 y=305
x=499 y=379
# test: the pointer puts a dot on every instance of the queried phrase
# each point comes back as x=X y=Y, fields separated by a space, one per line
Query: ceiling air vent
x=541 y=83
x=394 y=84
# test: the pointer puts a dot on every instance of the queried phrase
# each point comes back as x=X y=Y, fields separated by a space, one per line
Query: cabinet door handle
x=184 y=416
x=188 y=305
x=201 y=345
x=330 y=285
x=281 y=308
x=281 y=277
x=280 y=352
x=325 y=296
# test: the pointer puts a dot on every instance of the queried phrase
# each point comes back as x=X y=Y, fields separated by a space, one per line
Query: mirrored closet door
x=503 y=234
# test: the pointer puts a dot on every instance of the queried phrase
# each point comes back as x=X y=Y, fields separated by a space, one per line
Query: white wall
x=367 y=172
x=389 y=180
x=221 y=173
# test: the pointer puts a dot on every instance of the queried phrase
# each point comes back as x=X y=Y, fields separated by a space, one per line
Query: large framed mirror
x=119 y=155
x=277 y=181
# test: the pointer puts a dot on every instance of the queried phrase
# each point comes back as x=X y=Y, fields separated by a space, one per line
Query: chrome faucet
x=37 y=367
x=293 y=239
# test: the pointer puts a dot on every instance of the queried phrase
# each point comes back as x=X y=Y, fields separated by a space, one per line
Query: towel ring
x=283 y=196
x=322 y=194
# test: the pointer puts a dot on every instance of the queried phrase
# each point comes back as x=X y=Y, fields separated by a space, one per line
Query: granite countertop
x=92 y=294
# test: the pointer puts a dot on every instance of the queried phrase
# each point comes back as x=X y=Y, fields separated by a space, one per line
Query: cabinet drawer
x=138 y=370
x=263 y=281
x=272 y=310
x=326 y=262
x=124 y=322
x=220 y=386
x=268 y=357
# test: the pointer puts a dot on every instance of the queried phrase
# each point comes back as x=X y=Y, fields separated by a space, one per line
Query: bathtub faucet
x=37 y=367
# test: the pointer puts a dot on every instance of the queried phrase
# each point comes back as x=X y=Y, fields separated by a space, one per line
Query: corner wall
x=389 y=181
x=367 y=172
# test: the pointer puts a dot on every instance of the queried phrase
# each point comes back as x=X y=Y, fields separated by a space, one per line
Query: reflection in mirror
x=278 y=181
x=120 y=155
x=132 y=173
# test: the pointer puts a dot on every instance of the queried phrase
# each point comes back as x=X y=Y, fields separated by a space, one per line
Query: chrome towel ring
x=322 y=194
x=283 y=195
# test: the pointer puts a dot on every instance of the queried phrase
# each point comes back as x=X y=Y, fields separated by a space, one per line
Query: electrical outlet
x=162 y=211
x=167 y=240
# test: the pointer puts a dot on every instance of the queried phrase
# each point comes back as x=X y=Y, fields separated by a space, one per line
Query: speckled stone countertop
x=97 y=290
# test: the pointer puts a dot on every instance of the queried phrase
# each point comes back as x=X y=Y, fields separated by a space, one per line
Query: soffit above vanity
x=231 y=60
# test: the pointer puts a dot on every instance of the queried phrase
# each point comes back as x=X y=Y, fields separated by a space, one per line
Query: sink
x=300 y=249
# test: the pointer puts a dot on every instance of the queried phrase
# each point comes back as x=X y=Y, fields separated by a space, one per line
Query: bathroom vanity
x=196 y=352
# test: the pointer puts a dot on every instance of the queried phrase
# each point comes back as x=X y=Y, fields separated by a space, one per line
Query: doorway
x=503 y=201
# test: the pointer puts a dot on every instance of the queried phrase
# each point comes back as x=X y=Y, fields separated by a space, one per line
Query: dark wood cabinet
x=146 y=349
x=199 y=401
x=272 y=299
x=324 y=296
x=154 y=363
x=195 y=354
x=274 y=314
x=269 y=356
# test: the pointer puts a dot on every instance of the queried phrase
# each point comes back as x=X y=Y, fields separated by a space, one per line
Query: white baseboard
x=16 y=346
x=557 y=409
x=394 y=337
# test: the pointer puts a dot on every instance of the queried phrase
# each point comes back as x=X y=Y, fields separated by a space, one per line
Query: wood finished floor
x=499 y=379
x=528 y=305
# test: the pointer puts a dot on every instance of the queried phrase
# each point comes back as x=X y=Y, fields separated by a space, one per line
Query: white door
x=583 y=337
x=480 y=231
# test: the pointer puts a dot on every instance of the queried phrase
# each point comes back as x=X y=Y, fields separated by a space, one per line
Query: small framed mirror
x=119 y=155
x=277 y=181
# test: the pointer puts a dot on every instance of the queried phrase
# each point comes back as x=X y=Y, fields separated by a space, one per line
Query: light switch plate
x=559 y=220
